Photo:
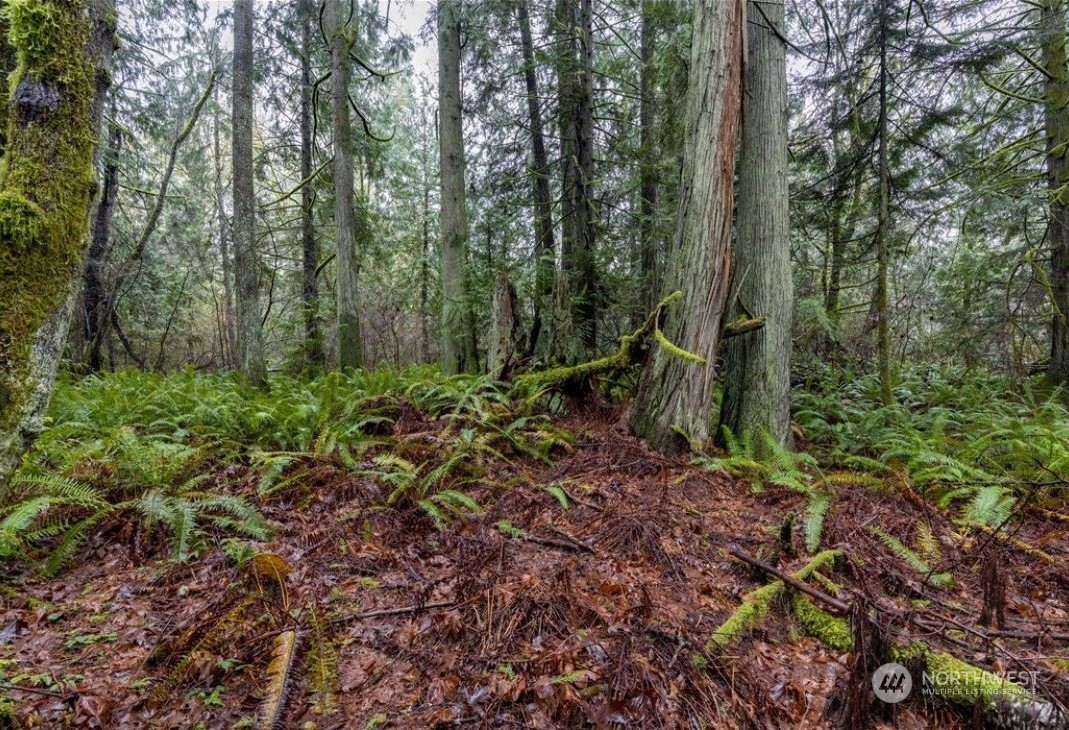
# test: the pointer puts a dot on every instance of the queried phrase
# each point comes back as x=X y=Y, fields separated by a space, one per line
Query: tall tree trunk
x=53 y=117
x=576 y=338
x=675 y=394
x=584 y=279
x=425 y=258
x=1056 y=118
x=95 y=305
x=883 y=229
x=649 y=244
x=313 y=340
x=350 y=341
x=251 y=361
x=458 y=330
x=758 y=364
x=545 y=262
x=228 y=330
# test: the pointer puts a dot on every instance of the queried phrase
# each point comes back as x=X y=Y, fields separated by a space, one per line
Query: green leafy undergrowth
x=765 y=462
x=970 y=440
x=189 y=455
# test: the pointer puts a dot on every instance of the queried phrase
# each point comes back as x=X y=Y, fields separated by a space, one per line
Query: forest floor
x=580 y=595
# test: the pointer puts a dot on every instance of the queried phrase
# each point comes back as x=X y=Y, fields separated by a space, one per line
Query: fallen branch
x=567 y=543
x=633 y=350
x=756 y=604
x=379 y=612
x=839 y=606
x=1008 y=704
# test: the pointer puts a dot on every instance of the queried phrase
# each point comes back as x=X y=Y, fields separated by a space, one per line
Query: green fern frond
x=559 y=494
x=915 y=561
x=819 y=503
x=991 y=505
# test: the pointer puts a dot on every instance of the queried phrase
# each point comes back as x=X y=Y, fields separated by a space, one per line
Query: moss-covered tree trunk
x=675 y=394
x=757 y=365
x=52 y=115
x=1056 y=118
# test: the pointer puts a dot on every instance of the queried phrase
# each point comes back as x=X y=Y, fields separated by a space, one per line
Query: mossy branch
x=756 y=604
x=633 y=350
x=952 y=679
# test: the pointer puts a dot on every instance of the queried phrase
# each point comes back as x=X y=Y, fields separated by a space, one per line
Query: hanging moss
x=45 y=186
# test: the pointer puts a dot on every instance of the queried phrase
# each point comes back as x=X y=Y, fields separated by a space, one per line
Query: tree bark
x=95 y=300
x=675 y=395
x=228 y=327
x=425 y=258
x=883 y=227
x=757 y=365
x=313 y=340
x=544 y=249
x=458 y=331
x=649 y=245
x=1056 y=119
x=46 y=188
x=350 y=341
x=507 y=341
x=251 y=360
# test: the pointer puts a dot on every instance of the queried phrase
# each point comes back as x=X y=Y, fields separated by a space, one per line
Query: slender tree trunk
x=95 y=305
x=545 y=262
x=883 y=230
x=251 y=361
x=458 y=331
x=562 y=346
x=758 y=364
x=53 y=117
x=228 y=331
x=425 y=258
x=310 y=261
x=649 y=245
x=675 y=394
x=1056 y=118
x=350 y=341
x=585 y=279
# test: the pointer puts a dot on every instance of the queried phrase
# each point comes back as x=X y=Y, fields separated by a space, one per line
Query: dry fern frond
x=268 y=572
x=322 y=666
x=199 y=640
x=283 y=654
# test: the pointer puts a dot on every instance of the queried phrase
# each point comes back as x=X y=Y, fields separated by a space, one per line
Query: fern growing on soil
x=972 y=442
x=177 y=452
x=764 y=461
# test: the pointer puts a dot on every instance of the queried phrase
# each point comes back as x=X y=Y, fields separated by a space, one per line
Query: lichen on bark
x=46 y=186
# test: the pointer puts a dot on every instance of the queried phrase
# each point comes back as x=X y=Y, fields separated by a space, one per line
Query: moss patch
x=833 y=631
x=959 y=682
x=756 y=604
